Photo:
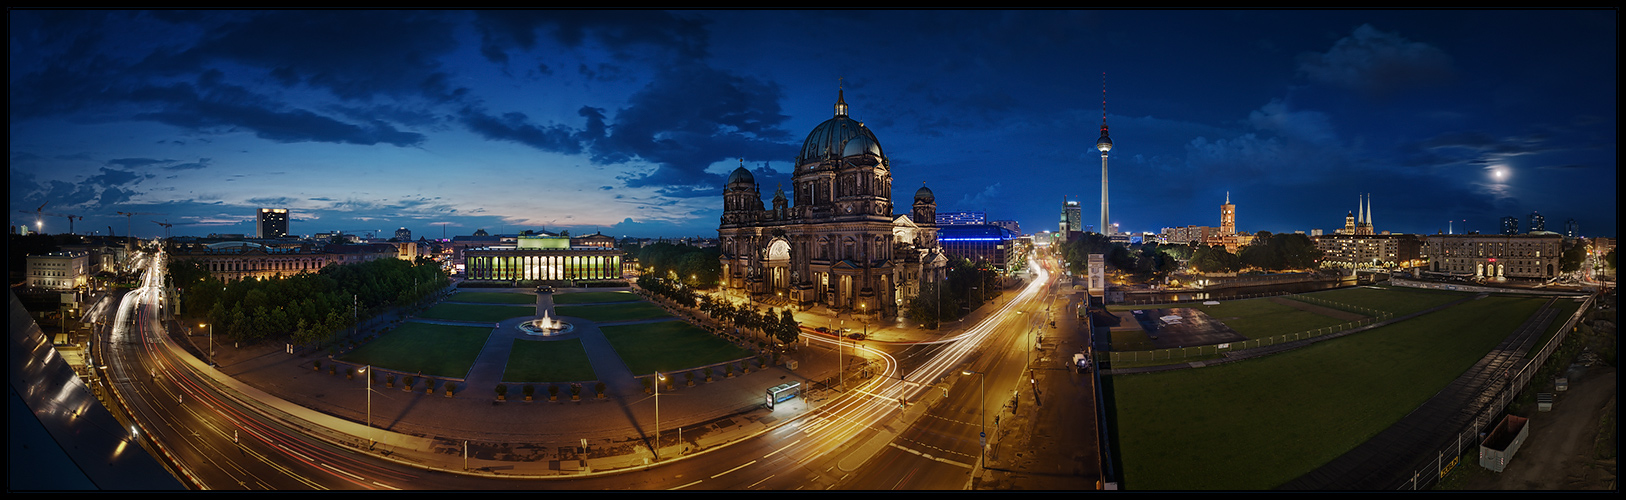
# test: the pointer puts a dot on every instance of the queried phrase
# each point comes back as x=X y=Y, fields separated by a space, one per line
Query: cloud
x=622 y=32
x=136 y=162
x=516 y=127
x=1310 y=126
x=211 y=104
x=202 y=163
x=1471 y=148
x=689 y=118
x=988 y=197
x=1378 y=63
x=356 y=55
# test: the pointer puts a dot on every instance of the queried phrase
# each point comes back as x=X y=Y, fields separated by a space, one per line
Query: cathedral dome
x=925 y=195
x=741 y=175
x=839 y=137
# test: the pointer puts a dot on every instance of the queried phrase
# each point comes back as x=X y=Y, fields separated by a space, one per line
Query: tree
x=789 y=330
x=1573 y=257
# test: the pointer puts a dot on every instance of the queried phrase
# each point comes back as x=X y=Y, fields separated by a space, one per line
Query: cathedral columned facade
x=834 y=240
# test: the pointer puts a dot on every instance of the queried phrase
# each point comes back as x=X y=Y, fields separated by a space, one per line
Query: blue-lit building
x=978 y=243
x=961 y=218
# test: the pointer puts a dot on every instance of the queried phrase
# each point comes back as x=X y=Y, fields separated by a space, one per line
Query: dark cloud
x=622 y=32
x=516 y=127
x=1471 y=148
x=272 y=201
x=357 y=55
x=202 y=163
x=211 y=105
x=1378 y=62
x=136 y=162
x=689 y=118
x=110 y=177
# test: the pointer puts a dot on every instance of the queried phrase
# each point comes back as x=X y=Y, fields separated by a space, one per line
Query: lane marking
x=781 y=449
x=685 y=486
x=720 y=474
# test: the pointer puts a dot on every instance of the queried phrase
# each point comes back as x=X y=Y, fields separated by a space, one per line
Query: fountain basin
x=546 y=327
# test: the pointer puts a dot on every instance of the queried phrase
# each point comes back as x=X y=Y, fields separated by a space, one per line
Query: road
x=856 y=440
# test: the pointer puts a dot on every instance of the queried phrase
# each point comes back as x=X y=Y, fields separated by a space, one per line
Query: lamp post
x=657 y=447
x=211 y=353
x=982 y=409
x=366 y=371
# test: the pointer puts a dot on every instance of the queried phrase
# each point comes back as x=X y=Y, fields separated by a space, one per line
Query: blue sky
x=629 y=121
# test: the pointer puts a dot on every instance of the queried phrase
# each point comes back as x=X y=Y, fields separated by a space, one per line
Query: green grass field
x=1253 y=318
x=1566 y=307
x=614 y=312
x=473 y=312
x=594 y=297
x=668 y=346
x=548 y=361
x=493 y=298
x=1398 y=300
x=435 y=350
x=1260 y=423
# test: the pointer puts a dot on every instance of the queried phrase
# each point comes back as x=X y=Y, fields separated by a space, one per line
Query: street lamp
x=657 y=447
x=982 y=409
x=211 y=353
x=366 y=371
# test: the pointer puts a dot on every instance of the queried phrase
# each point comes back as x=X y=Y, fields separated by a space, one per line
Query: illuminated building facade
x=835 y=240
x=59 y=270
x=1362 y=251
x=952 y=218
x=1495 y=256
x=234 y=260
x=272 y=223
x=542 y=258
x=979 y=243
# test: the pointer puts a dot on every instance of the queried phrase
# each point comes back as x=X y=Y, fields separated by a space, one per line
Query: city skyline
x=629 y=122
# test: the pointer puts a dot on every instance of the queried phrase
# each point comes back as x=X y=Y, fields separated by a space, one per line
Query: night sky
x=628 y=122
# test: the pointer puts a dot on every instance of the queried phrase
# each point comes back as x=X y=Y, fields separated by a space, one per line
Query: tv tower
x=1104 y=144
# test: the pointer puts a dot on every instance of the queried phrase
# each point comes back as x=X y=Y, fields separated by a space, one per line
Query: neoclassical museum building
x=834 y=241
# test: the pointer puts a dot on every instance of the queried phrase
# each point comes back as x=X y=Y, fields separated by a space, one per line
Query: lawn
x=548 y=361
x=614 y=312
x=594 y=297
x=1260 y=423
x=1398 y=300
x=436 y=350
x=493 y=298
x=474 y=312
x=668 y=346
x=1253 y=318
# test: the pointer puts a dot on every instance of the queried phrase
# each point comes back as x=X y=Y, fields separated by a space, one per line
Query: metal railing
x=1178 y=354
x=1469 y=436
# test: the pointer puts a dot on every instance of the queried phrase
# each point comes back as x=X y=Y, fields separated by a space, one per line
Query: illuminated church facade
x=834 y=240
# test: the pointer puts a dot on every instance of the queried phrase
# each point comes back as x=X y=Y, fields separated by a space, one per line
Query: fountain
x=546 y=326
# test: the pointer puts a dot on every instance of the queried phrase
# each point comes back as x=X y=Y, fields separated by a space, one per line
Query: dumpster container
x=1499 y=447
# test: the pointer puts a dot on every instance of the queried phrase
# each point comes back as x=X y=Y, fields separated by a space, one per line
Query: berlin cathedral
x=835 y=241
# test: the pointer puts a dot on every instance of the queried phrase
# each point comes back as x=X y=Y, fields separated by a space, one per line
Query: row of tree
x=1267 y=252
x=778 y=325
x=694 y=266
x=307 y=307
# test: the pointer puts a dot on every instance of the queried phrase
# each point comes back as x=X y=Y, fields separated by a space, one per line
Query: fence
x=1468 y=437
x=1179 y=354
x=1127 y=302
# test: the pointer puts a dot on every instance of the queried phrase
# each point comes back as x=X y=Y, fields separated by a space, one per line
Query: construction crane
x=166 y=225
x=129 y=227
x=41 y=213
